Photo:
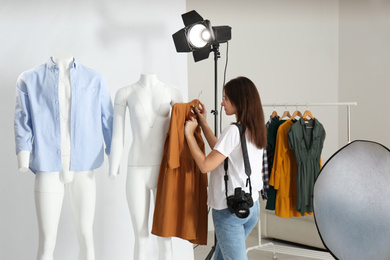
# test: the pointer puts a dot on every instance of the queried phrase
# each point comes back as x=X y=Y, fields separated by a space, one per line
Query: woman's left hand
x=190 y=126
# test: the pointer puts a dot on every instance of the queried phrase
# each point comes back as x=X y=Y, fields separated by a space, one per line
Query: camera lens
x=242 y=210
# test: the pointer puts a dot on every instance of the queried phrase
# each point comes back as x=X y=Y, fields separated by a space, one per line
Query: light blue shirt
x=37 y=118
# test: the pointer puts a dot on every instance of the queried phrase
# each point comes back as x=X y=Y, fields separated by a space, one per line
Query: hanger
x=274 y=113
x=307 y=113
x=296 y=113
x=200 y=93
x=286 y=113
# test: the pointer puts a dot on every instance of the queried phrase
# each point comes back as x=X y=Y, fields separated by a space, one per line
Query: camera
x=239 y=203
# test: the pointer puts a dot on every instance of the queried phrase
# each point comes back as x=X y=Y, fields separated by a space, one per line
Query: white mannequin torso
x=149 y=121
x=149 y=103
x=64 y=63
x=64 y=90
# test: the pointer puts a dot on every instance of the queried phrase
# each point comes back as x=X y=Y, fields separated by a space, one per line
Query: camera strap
x=247 y=165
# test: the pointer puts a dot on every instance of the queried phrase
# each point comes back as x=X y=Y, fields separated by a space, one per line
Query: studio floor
x=201 y=252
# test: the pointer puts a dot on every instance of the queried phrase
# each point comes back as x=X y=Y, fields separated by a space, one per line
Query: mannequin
x=149 y=102
x=50 y=186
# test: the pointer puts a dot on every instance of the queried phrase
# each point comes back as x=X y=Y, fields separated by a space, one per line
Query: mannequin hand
x=23 y=169
x=190 y=127
x=112 y=174
x=202 y=114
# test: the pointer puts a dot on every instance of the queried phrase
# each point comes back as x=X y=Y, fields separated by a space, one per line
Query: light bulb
x=197 y=35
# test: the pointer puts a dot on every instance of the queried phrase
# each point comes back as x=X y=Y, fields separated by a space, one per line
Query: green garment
x=306 y=138
x=271 y=144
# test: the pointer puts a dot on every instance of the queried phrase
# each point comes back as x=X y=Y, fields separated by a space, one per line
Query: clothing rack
x=271 y=247
x=347 y=104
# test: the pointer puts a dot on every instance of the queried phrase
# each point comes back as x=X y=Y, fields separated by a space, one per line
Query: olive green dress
x=306 y=138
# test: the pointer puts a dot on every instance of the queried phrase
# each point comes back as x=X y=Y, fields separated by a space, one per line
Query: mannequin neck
x=148 y=80
x=63 y=60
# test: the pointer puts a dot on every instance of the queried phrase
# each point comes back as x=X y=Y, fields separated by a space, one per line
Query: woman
x=240 y=98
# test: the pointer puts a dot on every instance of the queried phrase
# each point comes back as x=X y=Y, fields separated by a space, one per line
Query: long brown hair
x=243 y=94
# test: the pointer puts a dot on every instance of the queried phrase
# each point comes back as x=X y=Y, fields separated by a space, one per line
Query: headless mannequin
x=149 y=102
x=50 y=186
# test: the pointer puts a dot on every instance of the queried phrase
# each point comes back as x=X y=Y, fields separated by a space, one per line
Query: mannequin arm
x=23 y=161
x=118 y=139
x=107 y=116
x=23 y=125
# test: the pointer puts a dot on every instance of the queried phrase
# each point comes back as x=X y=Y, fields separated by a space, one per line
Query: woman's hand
x=190 y=127
x=202 y=114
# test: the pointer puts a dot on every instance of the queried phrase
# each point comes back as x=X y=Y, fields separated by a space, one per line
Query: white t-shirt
x=229 y=145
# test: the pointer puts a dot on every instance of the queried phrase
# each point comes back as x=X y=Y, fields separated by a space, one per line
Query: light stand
x=217 y=55
x=200 y=38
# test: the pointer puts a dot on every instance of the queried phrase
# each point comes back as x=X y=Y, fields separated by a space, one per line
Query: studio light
x=198 y=36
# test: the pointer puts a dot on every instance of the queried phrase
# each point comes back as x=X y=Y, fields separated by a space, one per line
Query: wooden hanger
x=274 y=113
x=285 y=114
x=308 y=114
x=296 y=113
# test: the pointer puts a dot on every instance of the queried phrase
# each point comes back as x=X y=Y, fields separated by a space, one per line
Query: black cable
x=224 y=82
x=226 y=63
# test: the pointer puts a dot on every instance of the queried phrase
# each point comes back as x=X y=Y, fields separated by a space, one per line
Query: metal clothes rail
x=271 y=247
x=347 y=104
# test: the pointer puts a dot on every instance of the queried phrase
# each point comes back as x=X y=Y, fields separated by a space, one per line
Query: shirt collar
x=52 y=65
x=302 y=121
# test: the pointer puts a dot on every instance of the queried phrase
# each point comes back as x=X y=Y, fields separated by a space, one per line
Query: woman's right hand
x=202 y=114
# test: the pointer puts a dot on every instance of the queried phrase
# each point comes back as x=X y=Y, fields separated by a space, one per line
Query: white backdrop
x=119 y=39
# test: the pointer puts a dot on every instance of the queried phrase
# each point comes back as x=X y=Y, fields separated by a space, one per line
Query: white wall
x=121 y=40
x=364 y=67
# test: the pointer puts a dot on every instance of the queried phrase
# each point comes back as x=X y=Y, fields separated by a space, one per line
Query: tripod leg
x=209 y=256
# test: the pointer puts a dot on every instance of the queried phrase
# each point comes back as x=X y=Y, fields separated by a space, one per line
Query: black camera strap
x=247 y=165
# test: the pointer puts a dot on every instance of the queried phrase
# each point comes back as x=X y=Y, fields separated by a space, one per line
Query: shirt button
x=56 y=102
x=58 y=152
x=56 y=86
x=57 y=118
